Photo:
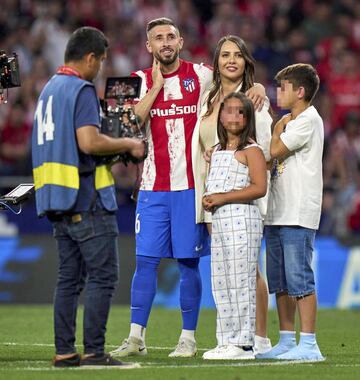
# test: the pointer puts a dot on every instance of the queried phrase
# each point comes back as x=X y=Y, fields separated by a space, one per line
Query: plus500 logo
x=174 y=110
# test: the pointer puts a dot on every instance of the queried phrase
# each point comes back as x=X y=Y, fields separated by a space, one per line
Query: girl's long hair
x=249 y=71
x=247 y=135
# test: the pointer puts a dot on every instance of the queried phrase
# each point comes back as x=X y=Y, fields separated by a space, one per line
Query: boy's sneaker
x=105 y=360
x=130 y=347
x=229 y=352
x=73 y=361
x=279 y=349
x=303 y=353
x=262 y=345
x=186 y=348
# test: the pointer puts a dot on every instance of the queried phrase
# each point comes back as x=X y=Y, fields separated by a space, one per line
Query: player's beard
x=168 y=60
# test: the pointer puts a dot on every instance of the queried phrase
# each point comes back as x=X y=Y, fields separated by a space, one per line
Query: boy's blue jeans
x=289 y=253
x=87 y=257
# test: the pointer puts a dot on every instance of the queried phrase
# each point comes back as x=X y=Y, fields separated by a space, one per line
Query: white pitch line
x=198 y=366
x=235 y=363
x=161 y=348
x=108 y=345
x=27 y=344
x=39 y=369
x=147 y=365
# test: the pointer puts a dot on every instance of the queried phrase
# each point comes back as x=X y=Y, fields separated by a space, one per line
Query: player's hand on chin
x=157 y=77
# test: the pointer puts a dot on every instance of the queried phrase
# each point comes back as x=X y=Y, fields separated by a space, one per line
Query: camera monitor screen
x=126 y=87
x=18 y=194
x=20 y=190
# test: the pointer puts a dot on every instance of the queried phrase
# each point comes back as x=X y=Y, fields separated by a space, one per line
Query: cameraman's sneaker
x=72 y=361
x=186 y=348
x=130 y=347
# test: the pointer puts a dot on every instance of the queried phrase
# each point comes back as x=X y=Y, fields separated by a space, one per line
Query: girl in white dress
x=234 y=69
x=237 y=177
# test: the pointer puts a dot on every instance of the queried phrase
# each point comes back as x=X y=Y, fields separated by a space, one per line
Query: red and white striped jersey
x=171 y=124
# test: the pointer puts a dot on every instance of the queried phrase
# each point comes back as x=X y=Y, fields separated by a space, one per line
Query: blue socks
x=190 y=292
x=307 y=350
x=286 y=349
x=144 y=286
x=287 y=342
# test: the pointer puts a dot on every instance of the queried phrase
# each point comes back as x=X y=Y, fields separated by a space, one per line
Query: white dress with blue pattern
x=235 y=246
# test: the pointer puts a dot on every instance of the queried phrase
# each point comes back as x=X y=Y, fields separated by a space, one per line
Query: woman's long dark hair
x=247 y=135
x=249 y=71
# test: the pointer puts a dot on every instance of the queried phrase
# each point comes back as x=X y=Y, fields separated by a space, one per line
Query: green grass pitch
x=26 y=348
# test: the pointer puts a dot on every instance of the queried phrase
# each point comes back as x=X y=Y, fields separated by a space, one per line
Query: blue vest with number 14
x=55 y=152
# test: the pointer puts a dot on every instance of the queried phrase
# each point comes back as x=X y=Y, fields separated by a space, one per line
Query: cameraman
x=77 y=194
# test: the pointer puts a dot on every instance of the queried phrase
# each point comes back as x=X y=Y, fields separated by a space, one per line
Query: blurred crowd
x=278 y=32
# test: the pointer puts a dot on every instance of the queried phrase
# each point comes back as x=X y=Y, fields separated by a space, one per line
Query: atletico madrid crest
x=189 y=84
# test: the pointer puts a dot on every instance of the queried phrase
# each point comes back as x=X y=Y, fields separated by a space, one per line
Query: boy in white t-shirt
x=294 y=212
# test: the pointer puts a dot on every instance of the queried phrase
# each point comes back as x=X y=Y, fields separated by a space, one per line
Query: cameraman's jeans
x=87 y=256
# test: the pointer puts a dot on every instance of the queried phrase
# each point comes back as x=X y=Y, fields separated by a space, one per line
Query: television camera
x=119 y=119
x=9 y=73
